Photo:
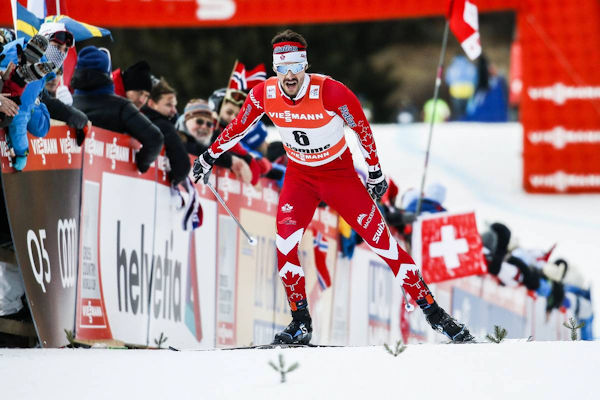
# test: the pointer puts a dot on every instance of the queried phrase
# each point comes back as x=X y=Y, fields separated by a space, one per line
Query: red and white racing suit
x=320 y=168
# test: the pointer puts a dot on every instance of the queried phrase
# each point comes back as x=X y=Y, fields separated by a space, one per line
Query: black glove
x=376 y=184
x=202 y=167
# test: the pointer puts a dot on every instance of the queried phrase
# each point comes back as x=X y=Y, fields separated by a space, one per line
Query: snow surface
x=513 y=370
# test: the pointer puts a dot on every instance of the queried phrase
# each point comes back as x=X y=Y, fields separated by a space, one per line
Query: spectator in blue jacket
x=49 y=47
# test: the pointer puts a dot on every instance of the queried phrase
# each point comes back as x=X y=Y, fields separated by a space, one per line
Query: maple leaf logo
x=412 y=278
x=296 y=297
x=290 y=280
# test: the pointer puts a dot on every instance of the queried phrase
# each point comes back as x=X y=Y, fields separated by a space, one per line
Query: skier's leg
x=347 y=195
x=297 y=203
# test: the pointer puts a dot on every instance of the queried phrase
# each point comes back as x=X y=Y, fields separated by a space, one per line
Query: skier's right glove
x=202 y=167
x=376 y=184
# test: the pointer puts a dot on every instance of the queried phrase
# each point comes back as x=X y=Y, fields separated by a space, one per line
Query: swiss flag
x=463 y=18
x=448 y=246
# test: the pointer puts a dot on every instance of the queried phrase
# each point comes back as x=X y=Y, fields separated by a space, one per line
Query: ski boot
x=444 y=323
x=299 y=331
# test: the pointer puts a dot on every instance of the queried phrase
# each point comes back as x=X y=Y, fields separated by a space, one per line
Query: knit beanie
x=91 y=57
x=137 y=77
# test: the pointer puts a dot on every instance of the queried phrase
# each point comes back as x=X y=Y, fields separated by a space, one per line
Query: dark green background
x=388 y=64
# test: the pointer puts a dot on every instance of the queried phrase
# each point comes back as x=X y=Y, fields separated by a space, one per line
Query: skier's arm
x=339 y=99
x=250 y=113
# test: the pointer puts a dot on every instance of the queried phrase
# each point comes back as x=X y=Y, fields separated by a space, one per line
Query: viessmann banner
x=144 y=13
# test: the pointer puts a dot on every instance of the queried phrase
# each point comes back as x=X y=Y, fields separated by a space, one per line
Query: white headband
x=291 y=57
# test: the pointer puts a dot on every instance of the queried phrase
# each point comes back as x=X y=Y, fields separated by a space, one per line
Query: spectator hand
x=202 y=167
x=80 y=134
x=8 y=107
x=20 y=162
x=241 y=169
x=376 y=184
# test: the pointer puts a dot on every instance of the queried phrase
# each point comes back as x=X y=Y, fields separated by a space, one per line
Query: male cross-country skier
x=309 y=111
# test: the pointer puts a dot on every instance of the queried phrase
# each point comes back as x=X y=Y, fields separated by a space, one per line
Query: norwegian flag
x=463 y=19
x=246 y=80
x=448 y=246
x=321 y=246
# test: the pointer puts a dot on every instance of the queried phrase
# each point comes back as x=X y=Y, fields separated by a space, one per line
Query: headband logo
x=282 y=57
x=285 y=49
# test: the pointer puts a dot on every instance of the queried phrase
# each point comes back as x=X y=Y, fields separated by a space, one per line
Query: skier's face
x=291 y=82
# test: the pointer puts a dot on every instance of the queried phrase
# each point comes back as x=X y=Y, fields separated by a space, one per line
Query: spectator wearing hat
x=95 y=96
x=135 y=83
x=43 y=55
x=161 y=109
x=196 y=127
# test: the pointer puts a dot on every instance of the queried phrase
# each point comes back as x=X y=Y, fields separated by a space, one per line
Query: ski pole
x=436 y=90
x=251 y=240
x=409 y=307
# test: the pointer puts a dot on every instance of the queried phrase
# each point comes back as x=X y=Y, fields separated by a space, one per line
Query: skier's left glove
x=202 y=167
x=376 y=184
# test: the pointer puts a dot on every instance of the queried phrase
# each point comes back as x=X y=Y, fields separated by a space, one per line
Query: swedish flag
x=28 y=25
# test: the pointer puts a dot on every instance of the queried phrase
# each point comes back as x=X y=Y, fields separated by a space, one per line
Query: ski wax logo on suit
x=347 y=116
x=380 y=229
x=287 y=221
x=254 y=101
x=449 y=246
x=361 y=217
x=286 y=208
x=314 y=92
x=271 y=94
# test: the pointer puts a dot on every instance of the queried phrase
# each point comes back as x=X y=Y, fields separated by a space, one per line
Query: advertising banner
x=144 y=13
x=560 y=103
x=43 y=210
x=114 y=215
x=143 y=274
x=447 y=246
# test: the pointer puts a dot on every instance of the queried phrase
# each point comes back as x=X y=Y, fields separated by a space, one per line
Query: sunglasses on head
x=294 y=68
x=237 y=97
x=63 y=37
x=202 y=121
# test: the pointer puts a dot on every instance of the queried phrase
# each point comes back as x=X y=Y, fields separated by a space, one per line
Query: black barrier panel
x=43 y=209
